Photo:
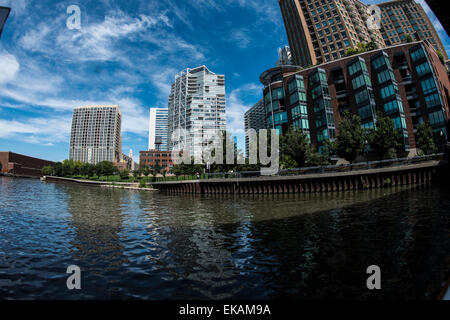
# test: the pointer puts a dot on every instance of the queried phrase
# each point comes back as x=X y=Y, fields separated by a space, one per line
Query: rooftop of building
x=268 y=74
x=98 y=106
x=393 y=2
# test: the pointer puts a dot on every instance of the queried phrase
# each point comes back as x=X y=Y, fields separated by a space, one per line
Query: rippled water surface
x=139 y=245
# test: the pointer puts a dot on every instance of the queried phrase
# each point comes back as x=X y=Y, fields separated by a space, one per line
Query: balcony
x=402 y=65
x=411 y=95
x=338 y=79
x=341 y=94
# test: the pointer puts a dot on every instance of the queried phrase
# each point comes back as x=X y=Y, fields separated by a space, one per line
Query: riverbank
x=103 y=184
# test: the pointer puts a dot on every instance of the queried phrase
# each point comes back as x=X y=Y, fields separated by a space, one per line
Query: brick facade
x=22 y=165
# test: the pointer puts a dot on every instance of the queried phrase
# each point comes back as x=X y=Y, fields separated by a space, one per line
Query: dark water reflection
x=132 y=244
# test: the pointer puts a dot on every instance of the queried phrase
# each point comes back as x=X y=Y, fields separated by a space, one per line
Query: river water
x=143 y=245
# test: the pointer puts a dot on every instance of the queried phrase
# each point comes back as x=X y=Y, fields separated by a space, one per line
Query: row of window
x=299 y=110
x=360 y=81
x=393 y=106
x=436 y=117
x=388 y=91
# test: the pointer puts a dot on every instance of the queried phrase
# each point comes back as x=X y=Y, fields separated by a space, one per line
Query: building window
x=428 y=86
x=433 y=100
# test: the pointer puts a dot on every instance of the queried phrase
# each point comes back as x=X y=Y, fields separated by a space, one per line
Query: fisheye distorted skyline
x=127 y=53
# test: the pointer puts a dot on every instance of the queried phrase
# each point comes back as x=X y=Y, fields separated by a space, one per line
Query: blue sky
x=127 y=53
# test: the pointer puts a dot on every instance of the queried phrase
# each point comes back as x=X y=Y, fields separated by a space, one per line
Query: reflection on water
x=132 y=244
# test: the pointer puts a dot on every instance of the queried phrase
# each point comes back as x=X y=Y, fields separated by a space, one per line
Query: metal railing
x=328 y=169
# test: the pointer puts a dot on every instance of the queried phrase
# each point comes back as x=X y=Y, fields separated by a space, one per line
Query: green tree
x=351 y=52
x=47 y=171
x=156 y=168
x=441 y=56
x=371 y=46
x=385 y=137
x=105 y=168
x=67 y=168
x=361 y=48
x=58 y=168
x=351 y=137
x=124 y=174
x=295 y=149
x=145 y=170
x=409 y=38
x=424 y=139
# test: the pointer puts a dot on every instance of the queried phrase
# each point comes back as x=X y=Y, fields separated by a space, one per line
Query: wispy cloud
x=239 y=101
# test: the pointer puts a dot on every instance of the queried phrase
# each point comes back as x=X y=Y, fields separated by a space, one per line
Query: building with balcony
x=403 y=18
x=96 y=134
x=196 y=109
x=407 y=82
x=158 y=129
x=321 y=31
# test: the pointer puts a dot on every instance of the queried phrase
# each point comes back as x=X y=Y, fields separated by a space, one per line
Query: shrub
x=142 y=184
x=387 y=182
x=124 y=174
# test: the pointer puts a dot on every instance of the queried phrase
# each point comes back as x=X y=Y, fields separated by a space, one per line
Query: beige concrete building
x=322 y=30
x=401 y=18
x=96 y=134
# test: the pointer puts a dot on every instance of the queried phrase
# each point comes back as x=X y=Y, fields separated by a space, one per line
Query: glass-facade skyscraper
x=196 y=109
x=158 y=129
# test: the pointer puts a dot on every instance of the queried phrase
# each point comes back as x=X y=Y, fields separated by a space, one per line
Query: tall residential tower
x=158 y=128
x=96 y=134
x=406 y=17
x=321 y=31
x=254 y=118
x=196 y=109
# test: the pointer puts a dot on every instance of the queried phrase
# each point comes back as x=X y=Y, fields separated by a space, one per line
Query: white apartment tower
x=96 y=134
x=158 y=127
x=196 y=109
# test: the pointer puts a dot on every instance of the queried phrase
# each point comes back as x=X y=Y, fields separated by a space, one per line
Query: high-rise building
x=401 y=18
x=4 y=13
x=196 y=109
x=96 y=134
x=158 y=128
x=321 y=31
x=284 y=56
x=254 y=118
x=406 y=82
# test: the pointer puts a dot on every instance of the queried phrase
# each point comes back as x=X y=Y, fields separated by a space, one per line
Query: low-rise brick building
x=407 y=82
x=21 y=165
x=151 y=158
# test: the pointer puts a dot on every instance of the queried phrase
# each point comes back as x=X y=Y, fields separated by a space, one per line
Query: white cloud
x=237 y=106
x=10 y=67
x=241 y=37
x=45 y=131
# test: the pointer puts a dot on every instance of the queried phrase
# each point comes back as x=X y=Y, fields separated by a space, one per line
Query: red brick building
x=21 y=165
x=153 y=157
x=406 y=82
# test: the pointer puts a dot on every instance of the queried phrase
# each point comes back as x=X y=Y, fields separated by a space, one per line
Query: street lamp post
x=441 y=133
